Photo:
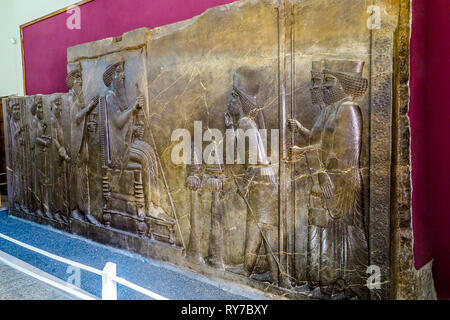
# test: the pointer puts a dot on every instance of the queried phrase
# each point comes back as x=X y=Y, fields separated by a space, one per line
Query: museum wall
x=13 y=14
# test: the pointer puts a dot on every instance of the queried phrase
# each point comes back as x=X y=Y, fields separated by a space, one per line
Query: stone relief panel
x=242 y=144
x=38 y=168
x=317 y=137
x=205 y=81
x=124 y=181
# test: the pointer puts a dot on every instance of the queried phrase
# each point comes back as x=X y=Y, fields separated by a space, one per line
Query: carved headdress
x=37 y=102
x=109 y=73
x=349 y=74
x=57 y=100
x=316 y=74
x=13 y=102
x=76 y=73
x=246 y=85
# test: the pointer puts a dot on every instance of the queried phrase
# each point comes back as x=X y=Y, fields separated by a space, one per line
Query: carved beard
x=234 y=108
x=333 y=94
x=317 y=96
x=77 y=94
x=40 y=114
x=139 y=132
x=119 y=88
x=57 y=112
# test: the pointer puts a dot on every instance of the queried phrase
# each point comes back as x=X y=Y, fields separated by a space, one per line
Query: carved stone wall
x=324 y=210
x=2 y=148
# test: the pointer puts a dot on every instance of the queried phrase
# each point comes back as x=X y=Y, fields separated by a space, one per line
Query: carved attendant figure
x=338 y=254
x=59 y=170
x=81 y=206
x=16 y=150
x=260 y=189
x=42 y=142
x=317 y=207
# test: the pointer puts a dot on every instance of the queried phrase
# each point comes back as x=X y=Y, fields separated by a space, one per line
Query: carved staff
x=105 y=158
x=45 y=170
x=194 y=183
x=163 y=174
x=22 y=142
x=8 y=133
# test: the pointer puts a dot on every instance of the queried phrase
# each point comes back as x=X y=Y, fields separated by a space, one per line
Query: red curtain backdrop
x=430 y=118
x=422 y=217
x=46 y=42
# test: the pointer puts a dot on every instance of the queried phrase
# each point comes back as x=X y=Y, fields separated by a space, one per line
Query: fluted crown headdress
x=246 y=85
x=70 y=80
x=349 y=74
x=109 y=73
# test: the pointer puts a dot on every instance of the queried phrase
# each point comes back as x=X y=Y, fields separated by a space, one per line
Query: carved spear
x=163 y=174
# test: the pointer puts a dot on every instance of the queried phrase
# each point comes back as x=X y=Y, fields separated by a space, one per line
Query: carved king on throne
x=130 y=171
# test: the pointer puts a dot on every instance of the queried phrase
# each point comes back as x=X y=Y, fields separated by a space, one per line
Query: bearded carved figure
x=128 y=150
x=40 y=137
x=259 y=188
x=337 y=240
x=17 y=145
x=81 y=201
x=59 y=172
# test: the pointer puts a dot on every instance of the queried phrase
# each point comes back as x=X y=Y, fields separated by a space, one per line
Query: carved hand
x=326 y=185
x=140 y=103
x=214 y=185
x=193 y=183
x=94 y=101
x=228 y=120
x=92 y=105
x=241 y=191
x=294 y=125
x=63 y=154
x=47 y=140
x=139 y=132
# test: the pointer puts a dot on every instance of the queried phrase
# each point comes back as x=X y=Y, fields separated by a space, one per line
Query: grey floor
x=162 y=278
x=15 y=285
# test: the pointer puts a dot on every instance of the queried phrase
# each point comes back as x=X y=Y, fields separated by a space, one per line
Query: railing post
x=109 y=285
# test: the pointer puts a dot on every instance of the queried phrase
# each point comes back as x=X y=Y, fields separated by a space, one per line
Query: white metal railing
x=108 y=274
x=64 y=287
